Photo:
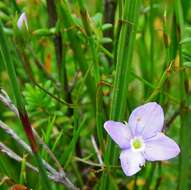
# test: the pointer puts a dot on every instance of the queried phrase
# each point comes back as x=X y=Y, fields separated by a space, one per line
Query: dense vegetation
x=69 y=66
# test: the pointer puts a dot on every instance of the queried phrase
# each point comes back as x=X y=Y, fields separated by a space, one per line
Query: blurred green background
x=81 y=63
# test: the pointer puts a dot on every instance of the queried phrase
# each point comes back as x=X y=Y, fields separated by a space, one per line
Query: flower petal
x=160 y=147
x=22 y=20
x=131 y=162
x=119 y=132
x=147 y=120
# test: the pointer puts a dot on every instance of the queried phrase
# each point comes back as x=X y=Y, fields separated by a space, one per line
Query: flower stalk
x=5 y=52
x=124 y=54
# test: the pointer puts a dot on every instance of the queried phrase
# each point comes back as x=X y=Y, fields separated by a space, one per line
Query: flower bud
x=22 y=20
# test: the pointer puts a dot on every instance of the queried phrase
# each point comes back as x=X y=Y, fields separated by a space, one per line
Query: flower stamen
x=137 y=144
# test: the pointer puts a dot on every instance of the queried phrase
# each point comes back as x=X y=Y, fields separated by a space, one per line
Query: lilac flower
x=22 y=20
x=142 y=139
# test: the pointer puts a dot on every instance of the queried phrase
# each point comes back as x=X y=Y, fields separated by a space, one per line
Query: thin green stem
x=124 y=58
x=151 y=40
x=91 y=39
x=76 y=47
x=185 y=135
x=5 y=51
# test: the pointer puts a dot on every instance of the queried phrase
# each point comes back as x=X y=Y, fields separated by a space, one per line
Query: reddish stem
x=28 y=130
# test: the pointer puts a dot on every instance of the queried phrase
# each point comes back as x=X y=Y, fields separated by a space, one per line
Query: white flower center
x=137 y=144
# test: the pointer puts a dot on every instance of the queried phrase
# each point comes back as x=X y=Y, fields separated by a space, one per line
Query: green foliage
x=83 y=62
x=38 y=101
